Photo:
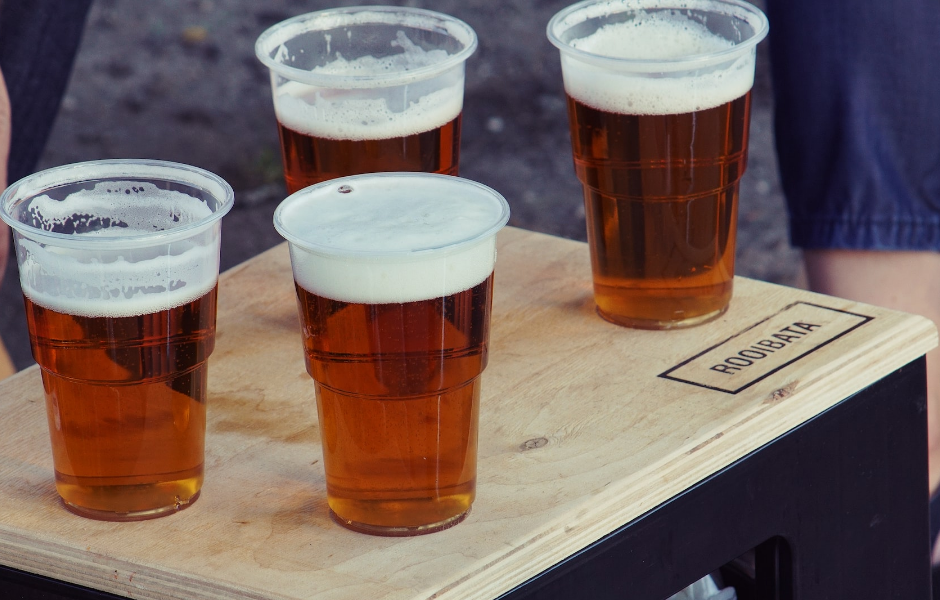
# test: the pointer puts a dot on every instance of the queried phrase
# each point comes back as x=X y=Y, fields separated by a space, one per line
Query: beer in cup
x=395 y=288
x=367 y=89
x=659 y=107
x=119 y=263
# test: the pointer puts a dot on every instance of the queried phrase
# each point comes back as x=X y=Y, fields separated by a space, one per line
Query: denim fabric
x=857 y=93
x=38 y=42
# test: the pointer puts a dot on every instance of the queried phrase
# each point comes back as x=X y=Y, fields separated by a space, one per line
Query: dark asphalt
x=178 y=80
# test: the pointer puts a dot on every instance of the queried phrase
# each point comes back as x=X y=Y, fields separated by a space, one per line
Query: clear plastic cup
x=367 y=89
x=395 y=291
x=119 y=263
x=659 y=108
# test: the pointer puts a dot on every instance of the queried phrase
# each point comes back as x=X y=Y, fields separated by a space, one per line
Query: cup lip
x=277 y=34
x=128 y=169
x=393 y=255
x=649 y=65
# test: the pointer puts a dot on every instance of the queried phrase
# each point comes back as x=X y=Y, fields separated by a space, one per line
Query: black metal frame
x=836 y=508
x=18 y=585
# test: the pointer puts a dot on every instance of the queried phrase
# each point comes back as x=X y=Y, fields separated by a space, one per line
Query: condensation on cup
x=119 y=264
x=367 y=89
x=659 y=108
x=395 y=291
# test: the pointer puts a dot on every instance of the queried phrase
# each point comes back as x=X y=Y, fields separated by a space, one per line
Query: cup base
x=661 y=325
x=140 y=515
x=398 y=531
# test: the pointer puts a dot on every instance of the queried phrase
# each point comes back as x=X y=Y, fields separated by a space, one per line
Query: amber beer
x=122 y=326
x=399 y=421
x=660 y=149
x=367 y=89
x=395 y=292
x=309 y=159
x=122 y=388
x=317 y=152
x=661 y=220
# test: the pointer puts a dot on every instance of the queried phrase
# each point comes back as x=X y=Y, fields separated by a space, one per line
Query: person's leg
x=906 y=281
x=858 y=145
x=6 y=365
x=38 y=42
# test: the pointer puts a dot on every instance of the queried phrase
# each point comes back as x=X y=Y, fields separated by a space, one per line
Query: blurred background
x=178 y=80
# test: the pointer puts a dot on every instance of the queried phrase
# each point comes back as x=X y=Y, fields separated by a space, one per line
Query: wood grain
x=579 y=435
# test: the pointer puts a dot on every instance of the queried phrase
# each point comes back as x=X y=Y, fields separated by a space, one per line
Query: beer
x=661 y=196
x=394 y=289
x=398 y=397
x=367 y=89
x=119 y=264
x=126 y=404
x=326 y=146
x=659 y=110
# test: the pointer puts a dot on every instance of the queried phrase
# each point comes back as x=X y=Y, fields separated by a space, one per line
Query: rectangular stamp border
x=666 y=374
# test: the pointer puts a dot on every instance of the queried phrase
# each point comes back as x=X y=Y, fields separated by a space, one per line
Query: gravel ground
x=178 y=80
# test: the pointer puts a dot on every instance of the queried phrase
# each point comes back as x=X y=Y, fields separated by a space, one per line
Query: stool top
x=584 y=426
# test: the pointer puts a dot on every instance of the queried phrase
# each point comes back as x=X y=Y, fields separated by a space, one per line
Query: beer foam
x=656 y=36
x=392 y=239
x=411 y=58
x=357 y=116
x=107 y=209
x=380 y=112
x=118 y=278
x=652 y=36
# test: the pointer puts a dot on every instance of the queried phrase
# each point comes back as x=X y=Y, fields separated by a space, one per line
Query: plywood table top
x=584 y=426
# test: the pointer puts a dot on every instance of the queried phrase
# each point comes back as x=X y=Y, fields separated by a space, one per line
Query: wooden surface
x=579 y=435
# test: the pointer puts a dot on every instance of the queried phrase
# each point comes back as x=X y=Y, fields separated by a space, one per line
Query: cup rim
x=394 y=255
x=739 y=8
x=274 y=36
x=128 y=169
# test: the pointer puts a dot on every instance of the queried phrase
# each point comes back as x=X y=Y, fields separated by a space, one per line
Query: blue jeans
x=857 y=93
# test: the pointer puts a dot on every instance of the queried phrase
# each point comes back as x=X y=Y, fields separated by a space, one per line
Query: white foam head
x=117 y=208
x=359 y=73
x=658 y=62
x=117 y=248
x=364 y=115
x=392 y=237
x=307 y=48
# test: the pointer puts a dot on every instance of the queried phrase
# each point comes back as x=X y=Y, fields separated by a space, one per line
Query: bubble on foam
x=652 y=36
x=386 y=243
x=656 y=36
x=412 y=57
x=377 y=113
x=118 y=281
x=117 y=208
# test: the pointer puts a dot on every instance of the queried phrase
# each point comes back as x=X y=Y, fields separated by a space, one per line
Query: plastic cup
x=395 y=290
x=119 y=263
x=367 y=89
x=659 y=108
